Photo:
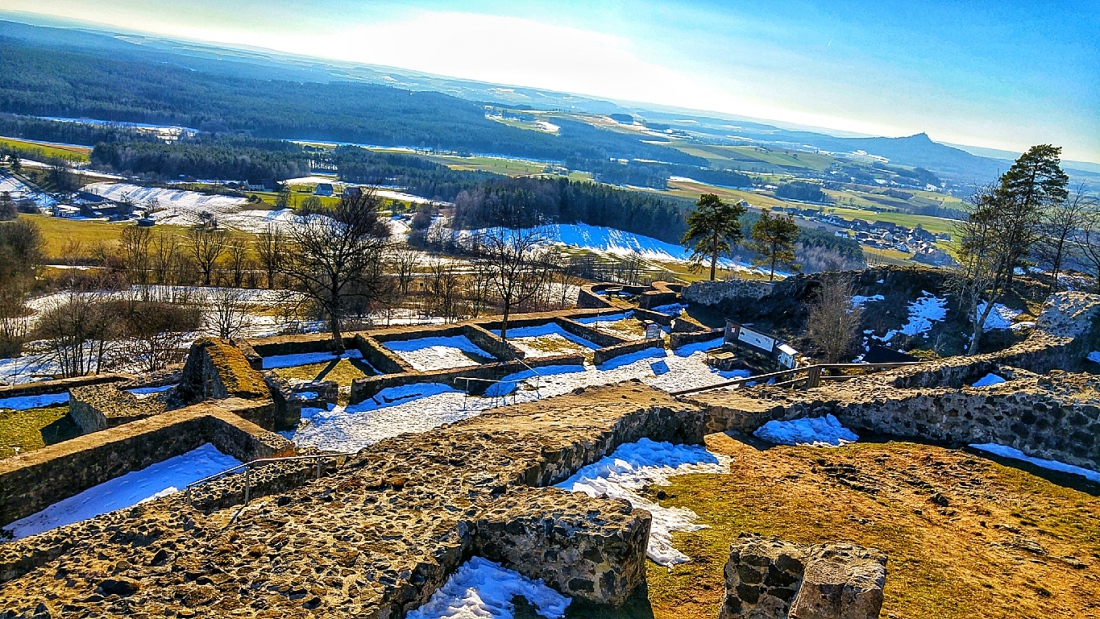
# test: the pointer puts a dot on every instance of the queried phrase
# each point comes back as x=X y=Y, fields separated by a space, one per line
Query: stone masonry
x=376 y=537
x=768 y=578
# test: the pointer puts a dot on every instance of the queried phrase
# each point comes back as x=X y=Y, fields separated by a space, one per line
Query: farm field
x=74 y=153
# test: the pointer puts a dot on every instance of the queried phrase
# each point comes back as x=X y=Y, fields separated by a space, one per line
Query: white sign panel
x=787 y=356
x=652 y=331
x=757 y=340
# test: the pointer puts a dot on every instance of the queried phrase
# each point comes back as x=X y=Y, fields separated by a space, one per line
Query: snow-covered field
x=175 y=206
x=438 y=353
x=482 y=589
x=420 y=408
x=817 y=432
x=27 y=402
x=634 y=466
x=1053 y=465
x=18 y=190
x=152 y=482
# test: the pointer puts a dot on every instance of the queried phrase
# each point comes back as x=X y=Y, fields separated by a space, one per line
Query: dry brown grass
x=27 y=430
x=1007 y=544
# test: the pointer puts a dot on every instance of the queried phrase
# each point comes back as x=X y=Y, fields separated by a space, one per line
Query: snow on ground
x=1094 y=356
x=634 y=466
x=516 y=336
x=922 y=313
x=672 y=309
x=1053 y=465
x=1000 y=317
x=308 y=358
x=604 y=318
x=988 y=380
x=176 y=206
x=437 y=353
x=859 y=300
x=17 y=189
x=817 y=432
x=27 y=402
x=135 y=487
x=422 y=407
x=482 y=589
x=310 y=180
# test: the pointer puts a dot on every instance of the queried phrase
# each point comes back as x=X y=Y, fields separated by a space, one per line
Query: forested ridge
x=50 y=82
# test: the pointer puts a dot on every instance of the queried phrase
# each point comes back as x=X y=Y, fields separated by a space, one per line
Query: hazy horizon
x=1002 y=76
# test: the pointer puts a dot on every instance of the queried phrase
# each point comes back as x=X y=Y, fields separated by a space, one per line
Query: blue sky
x=1004 y=74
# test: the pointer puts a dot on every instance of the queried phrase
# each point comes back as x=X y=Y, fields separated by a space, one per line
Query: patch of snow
x=135 y=487
x=859 y=300
x=632 y=467
x=1094 y=356
x=27 y=402
x=437 y=353
x=1000 y=317
x=672 y=309
x=482 y=589
x=604 y=318
x=1053 y=465
x=149 y=390
x=308 y=358
x=922 y=313
x=818 y=432
x=988 y=380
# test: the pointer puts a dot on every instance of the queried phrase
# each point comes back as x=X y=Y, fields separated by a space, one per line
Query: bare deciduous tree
x=270 y=244
x=339 y=255
x=207 y=244
x=236 y=252
x=135 y=253
x=514 y=254
x=444 y=290
x=229 y=313
x=833 y=322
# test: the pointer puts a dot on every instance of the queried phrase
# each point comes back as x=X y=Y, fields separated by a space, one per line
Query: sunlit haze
x=994 y=74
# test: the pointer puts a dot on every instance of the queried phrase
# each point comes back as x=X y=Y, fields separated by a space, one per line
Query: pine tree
x=713 y=228
x=774 y=239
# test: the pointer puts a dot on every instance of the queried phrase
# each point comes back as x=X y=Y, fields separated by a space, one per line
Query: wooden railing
x=814 y=375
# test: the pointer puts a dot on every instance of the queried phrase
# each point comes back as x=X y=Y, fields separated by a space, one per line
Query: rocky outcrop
x=768 y=578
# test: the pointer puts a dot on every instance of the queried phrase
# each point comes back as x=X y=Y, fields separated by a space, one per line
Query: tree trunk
x=713 y=263
x=334 y=323
x=504 y=320
x=978 y=328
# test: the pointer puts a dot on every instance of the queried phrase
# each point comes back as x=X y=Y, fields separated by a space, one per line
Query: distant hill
x=919 y=150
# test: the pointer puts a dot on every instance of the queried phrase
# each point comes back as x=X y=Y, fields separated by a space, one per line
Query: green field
x=72 y=153
x=756 y=158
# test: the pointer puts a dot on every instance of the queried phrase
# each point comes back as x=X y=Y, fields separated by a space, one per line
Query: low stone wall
x=368 y=386
x=657 y=317
x=288 y=408
x=32 y=481
x=98 y=407
x=587 y=298
x=678 y=339
x=767 y=578
x=597 y=337
x=603 y=355
x=491 y=343
x=277 y=345
x=381 y=358
x=549 y=534
x=713 y=293
x=60 y=385
x=661 y=293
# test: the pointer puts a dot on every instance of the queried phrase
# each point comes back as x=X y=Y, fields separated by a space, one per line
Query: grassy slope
x=34 y=429
x=968 y=560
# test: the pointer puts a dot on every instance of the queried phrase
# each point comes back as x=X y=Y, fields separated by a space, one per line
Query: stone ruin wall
x=33 y=481
x=713 y=293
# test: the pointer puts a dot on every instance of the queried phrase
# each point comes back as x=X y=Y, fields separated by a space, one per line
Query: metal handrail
x=247 y=466
x=813 y=378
